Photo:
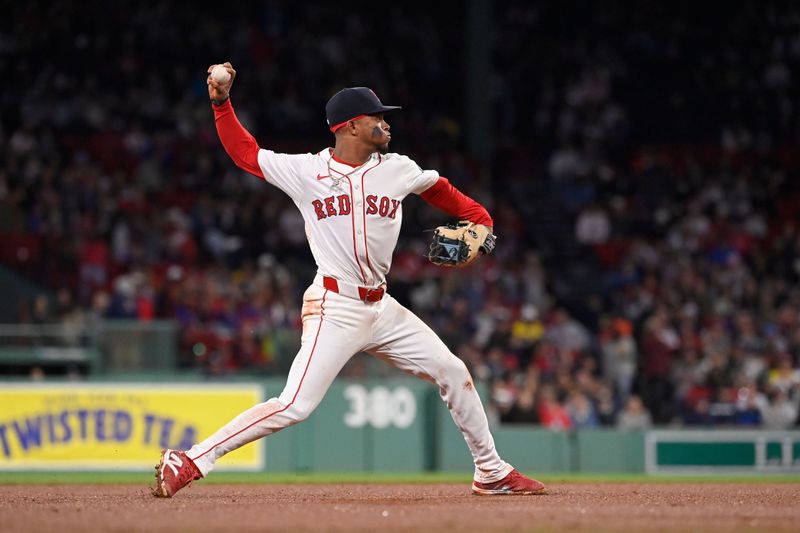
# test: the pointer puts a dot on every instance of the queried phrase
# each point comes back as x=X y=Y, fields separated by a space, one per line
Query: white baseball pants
x=336 y=327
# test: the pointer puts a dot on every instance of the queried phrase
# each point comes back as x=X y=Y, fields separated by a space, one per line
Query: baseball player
x=351 y=199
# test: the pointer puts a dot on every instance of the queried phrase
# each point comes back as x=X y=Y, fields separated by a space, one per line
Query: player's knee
x=297 y=412
x=455 y=369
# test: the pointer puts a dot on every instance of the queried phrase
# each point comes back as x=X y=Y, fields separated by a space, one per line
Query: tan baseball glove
x=458 y=245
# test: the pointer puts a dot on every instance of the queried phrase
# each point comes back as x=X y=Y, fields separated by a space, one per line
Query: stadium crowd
x=644 y=192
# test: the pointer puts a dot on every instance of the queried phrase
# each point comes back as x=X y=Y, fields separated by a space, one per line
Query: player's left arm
x=444 y=196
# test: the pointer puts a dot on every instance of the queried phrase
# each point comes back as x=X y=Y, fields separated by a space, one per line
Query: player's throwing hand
x=219 y=91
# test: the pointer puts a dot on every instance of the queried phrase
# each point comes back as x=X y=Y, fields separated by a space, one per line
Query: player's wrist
x=220 y=101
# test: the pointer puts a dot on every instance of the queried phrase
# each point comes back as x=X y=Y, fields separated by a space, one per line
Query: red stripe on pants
x=305 y=371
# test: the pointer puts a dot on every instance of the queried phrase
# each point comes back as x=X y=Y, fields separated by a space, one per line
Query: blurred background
x=640 y=161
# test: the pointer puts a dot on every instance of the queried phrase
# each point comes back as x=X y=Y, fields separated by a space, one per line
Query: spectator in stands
x=552 y=413
x=698 y=413
x=780 y=412
x=567 y=334
x=784 y=376
x=581 y=411
x=605 y=405
x=41 y=311
x=619 y=355
x=592 y=225
x=526 y=331
x=659 y=345
x=71 y=319
x=634 y=415
x=749 y=405
x=523 y=410
x=504 y=395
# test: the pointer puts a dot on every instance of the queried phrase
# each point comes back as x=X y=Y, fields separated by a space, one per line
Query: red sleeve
x=444 y=196
x=238 y=142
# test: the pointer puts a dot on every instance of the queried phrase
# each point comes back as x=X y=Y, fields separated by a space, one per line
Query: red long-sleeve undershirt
x=444 y=196
x=243 y=149
x=240 y=145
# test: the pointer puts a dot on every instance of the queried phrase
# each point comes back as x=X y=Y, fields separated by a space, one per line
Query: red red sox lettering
x=341 y=205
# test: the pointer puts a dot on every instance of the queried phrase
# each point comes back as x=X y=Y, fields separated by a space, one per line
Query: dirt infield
x=442 y=507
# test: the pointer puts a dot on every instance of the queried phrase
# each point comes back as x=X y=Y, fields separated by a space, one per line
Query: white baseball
x=220 y=75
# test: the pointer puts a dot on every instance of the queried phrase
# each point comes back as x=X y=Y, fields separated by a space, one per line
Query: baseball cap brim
x=384 y=109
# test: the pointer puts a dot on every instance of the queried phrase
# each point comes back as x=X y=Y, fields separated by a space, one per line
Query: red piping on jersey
x=364 y=211
x=444 y=196
x=342 y=124
x=303 y=377
x=238 y=142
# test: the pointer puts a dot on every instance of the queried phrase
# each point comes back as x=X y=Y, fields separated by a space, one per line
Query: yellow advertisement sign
x=117 y=426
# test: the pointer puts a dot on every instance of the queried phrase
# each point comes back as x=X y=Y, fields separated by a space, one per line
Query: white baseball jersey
x=352 y=214
x=353 y=217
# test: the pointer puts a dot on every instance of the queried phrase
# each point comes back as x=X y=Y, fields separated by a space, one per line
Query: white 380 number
x=379 y=407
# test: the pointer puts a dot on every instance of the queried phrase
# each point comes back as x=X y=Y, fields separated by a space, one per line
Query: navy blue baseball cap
x=352 y=103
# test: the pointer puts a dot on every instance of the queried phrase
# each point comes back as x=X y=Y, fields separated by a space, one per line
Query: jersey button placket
x=358 y=226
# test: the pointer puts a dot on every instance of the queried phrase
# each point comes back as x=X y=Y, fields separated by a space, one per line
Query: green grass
x=25 y=478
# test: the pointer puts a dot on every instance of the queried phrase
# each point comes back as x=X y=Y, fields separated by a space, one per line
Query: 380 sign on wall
x=379 y=407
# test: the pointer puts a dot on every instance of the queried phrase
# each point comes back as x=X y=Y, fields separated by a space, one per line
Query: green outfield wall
x=536 y=449
x=402 y=425
x=386 y=425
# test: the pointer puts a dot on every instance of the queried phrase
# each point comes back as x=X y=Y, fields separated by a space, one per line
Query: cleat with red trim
x=173 y=472
x=514 y=483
